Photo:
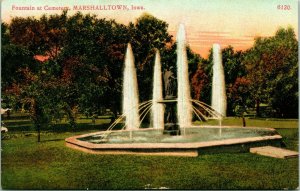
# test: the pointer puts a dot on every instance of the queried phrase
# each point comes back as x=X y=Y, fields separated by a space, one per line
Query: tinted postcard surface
x=128 y=94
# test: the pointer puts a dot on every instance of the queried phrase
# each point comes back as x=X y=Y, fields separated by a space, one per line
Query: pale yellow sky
x=234 y=22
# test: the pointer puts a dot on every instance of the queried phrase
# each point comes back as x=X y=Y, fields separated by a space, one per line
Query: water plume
x=219 y=102
x=184 y=105
x=157 y=108
x=130 y=92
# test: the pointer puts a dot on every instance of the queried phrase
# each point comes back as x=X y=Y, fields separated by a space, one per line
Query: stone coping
x=274 y=152
x=185 y=153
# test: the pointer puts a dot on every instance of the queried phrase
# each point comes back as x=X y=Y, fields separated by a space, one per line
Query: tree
x=199 y=81
x=273 y=72
x=4 y=34
x=206 y=65
x=41 y=36
x=238 y=95
x=40 y=91
x=197 y=76
x=147 y=34
x=97 y=47
x=14 y=58
x=236 y=84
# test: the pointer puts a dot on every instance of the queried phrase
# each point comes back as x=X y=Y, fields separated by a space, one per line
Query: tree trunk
x=115 y=112
x=257 y=108
x=114 y=115
x=39 y=132
x=8 y=114
x=244 y=120
x=70 y=115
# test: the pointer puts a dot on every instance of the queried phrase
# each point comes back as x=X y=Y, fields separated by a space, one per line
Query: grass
x=21 y=123
x=24 y=124
x=49 y=164
x=256 y=122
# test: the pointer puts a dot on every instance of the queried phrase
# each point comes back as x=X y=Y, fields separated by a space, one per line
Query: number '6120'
x=284 y=7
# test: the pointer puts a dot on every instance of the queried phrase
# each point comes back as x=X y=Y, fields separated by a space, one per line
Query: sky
x=227 y=22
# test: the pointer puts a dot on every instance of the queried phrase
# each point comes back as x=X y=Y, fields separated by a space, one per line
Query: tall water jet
x=184 y=105
x=130 y=92
x=219 y=102
x=157 y=108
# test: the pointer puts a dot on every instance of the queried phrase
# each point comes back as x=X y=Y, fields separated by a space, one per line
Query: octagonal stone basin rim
x=193 y=145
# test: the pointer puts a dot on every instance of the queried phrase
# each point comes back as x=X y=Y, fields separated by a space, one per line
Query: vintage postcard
x=149 y=94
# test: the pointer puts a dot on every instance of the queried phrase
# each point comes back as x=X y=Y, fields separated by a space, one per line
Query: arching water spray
x=219 y=102
x=184 y=105
x=157 y=108
x=130 y=92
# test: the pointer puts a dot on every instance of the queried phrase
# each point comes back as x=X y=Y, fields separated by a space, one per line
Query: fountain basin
x=192 y=142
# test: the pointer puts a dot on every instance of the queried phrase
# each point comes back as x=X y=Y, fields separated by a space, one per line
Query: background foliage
x=61 y=65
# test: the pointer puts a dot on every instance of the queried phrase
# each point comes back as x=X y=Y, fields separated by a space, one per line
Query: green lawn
x=27 y=164
x=255 y=122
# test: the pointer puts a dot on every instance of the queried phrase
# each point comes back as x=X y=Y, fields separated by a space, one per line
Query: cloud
x=202 y=41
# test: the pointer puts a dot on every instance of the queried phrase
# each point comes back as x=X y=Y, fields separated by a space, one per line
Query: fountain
x=184 y=105
x=157 y=108
x=218 y=84
x=164 y=136
x=130 y=92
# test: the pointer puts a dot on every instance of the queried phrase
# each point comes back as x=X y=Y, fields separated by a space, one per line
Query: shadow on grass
x=77 y=128
x=25 y=127
x=51 y=140
x=273 y=119
x=61 y=127
x=82 y=127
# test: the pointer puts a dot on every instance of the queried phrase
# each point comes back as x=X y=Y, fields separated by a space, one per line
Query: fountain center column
x=171 y=126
